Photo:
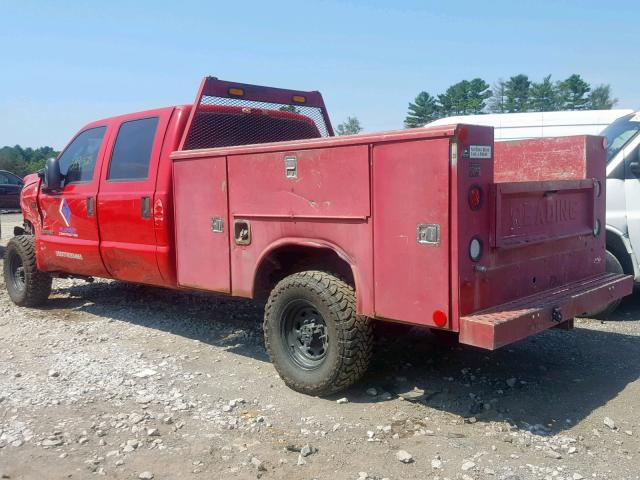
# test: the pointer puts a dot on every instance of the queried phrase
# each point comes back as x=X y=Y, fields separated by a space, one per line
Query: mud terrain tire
x=315 y=339
x=27 y=286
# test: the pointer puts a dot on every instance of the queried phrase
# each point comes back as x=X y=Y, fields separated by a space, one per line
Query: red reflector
x=439 y=318
x=475 y=197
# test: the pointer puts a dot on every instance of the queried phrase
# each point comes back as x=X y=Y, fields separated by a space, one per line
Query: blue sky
x=66 y=63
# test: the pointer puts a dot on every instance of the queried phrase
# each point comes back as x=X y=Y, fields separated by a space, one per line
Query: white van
x=622 y=129
x=518 y=126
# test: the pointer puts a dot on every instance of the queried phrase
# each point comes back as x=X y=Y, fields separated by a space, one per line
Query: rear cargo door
x=125 y=200
x=411 y=230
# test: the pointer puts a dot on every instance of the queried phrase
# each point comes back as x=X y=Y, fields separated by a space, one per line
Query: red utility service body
x=434 y=226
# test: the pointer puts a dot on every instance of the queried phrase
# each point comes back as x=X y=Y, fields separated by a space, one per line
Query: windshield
x=620 y=132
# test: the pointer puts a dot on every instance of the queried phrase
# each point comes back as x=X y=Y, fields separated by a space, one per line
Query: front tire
x=315 y=339
x=27 y=286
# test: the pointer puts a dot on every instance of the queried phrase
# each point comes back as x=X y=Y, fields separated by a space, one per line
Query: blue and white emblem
x=65 y=212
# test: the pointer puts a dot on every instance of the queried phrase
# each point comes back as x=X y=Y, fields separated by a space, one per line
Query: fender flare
x=310 y=243
x=623 y=240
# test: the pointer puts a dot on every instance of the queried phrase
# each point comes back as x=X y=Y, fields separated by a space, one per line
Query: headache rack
x=228 y=114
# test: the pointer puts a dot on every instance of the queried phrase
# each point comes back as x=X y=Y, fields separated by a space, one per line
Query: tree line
x=517 y=94
x=22 y=161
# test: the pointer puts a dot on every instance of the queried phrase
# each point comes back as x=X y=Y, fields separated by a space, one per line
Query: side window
x=4 y=179
x=132 y=150
x=13 y=180
x=632 y=162
x=78 y=161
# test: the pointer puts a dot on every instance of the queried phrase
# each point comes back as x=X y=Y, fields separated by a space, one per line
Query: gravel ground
x=134 y=382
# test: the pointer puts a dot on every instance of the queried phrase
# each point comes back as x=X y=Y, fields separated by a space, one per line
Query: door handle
x=91 y=206
x=145 y=206
x=242 y=232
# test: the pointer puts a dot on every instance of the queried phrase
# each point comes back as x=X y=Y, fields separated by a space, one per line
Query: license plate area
x=534 y=212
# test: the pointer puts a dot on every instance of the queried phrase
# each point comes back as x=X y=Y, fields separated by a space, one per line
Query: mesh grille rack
x=228 y=114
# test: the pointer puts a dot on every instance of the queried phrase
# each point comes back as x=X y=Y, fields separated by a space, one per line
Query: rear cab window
x=132 y=150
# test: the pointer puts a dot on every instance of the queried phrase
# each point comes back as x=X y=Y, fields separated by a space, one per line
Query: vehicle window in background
x=620 y=132
x=8 y=179
x=132 y=151
x=79 y=159
x=11 y=179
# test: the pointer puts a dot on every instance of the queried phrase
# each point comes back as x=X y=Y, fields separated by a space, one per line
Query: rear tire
x=27 y=286
x=315 y=339
x=612 y=266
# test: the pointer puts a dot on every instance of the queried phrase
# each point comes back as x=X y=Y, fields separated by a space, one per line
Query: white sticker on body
x=480 y=151
x=74 y=256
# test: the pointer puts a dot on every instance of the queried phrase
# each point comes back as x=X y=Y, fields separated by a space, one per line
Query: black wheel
x=613 y=266
x=27 y=286
x=315 y=339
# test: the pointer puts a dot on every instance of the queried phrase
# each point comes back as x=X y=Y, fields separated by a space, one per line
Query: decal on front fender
x=65 y=212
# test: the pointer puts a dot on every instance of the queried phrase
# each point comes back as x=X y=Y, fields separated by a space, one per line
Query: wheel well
x=291 y=259
x=616 y=246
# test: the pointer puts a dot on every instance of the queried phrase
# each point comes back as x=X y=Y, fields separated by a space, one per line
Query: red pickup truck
x=246 y=193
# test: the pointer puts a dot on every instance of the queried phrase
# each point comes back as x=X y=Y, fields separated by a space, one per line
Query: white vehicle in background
x=518 y=126
x=622 y=129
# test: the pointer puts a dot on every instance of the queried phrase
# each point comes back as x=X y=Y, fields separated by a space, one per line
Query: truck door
x=69 y=240
x=632 y=191
x=10 y=187
x=125 y=201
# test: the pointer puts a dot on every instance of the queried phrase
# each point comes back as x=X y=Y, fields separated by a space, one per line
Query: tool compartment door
x=315 y=183
x=411 y=230
x=202 y=224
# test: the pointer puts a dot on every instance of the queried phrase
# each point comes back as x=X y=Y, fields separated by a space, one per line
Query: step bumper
x=507 y=323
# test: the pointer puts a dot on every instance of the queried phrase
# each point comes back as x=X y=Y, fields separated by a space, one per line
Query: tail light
x=475 y=197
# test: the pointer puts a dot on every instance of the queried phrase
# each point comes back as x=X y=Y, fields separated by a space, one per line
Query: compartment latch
x=291 y=167
x=428 y=234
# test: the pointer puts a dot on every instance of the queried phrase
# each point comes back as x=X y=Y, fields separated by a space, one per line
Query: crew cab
x=247 y=193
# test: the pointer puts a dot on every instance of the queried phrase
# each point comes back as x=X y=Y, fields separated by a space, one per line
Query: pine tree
x=477 y=96
x=573 y=93
x=543 y=96
x=517 y=91
x=452 y=101
x=464 y=98
x=422 y=111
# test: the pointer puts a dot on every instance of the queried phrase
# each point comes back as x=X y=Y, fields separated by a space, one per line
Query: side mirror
x=51 y=176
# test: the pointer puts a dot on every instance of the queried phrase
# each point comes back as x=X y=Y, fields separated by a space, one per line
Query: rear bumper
x=504 y=324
